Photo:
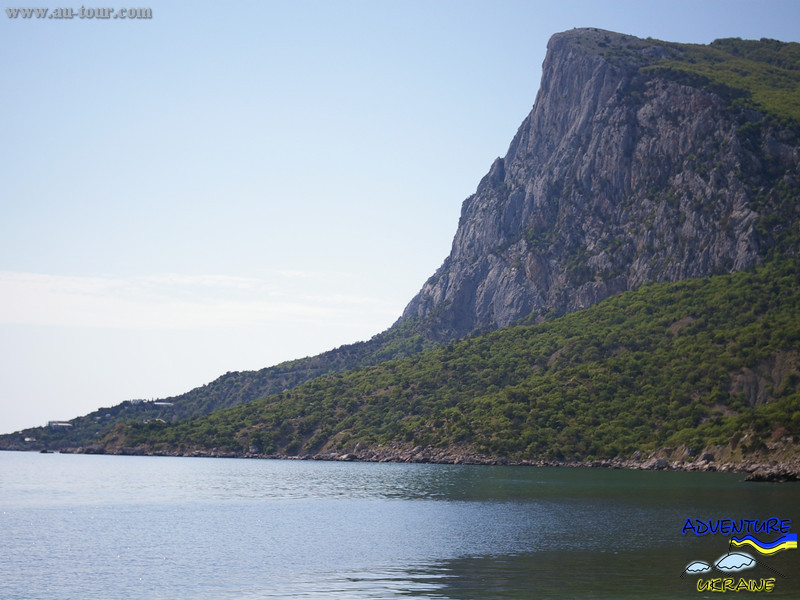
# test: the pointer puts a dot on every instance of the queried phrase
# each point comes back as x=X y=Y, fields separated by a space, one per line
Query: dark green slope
x=699 y=362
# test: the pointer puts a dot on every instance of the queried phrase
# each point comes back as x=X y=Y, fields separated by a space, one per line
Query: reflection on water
x=136 y=527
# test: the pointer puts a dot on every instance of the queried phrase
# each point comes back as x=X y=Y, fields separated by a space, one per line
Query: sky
x=229 y=185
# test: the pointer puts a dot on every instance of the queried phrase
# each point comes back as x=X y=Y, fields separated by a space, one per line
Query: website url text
x=80 y=13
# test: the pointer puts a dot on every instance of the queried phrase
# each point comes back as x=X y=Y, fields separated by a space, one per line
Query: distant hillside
x=231 y=389
x=700 y=364
x=641 y=161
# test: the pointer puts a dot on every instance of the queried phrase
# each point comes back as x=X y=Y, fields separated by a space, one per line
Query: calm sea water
x=103 y=527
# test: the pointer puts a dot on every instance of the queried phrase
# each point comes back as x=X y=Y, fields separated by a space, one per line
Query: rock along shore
x=757 y=468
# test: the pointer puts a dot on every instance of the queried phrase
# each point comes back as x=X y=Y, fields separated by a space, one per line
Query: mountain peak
x=627 y=170
x=611 y=45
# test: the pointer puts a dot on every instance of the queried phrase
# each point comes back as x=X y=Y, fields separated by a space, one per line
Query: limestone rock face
x=617 y=177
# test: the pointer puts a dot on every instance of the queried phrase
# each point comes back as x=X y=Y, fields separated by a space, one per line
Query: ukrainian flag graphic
x=785 y=542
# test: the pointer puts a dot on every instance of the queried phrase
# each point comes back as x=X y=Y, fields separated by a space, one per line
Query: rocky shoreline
x=756 y=468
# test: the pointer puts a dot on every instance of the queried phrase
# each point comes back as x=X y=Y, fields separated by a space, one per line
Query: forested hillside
x=230 y=389
x=706 y=362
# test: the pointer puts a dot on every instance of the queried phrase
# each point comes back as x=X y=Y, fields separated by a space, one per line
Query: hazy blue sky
x=232 y=184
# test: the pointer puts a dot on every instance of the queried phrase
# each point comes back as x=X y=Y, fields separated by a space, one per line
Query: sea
x=86 y=527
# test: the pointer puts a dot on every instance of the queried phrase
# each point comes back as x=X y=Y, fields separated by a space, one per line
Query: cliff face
x=620 y=175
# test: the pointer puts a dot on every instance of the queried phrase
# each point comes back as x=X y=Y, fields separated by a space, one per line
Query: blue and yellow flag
x=785 y=542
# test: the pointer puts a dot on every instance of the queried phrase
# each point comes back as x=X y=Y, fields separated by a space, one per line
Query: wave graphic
x=785 y=542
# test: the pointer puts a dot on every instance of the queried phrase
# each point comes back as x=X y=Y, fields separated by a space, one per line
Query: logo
x=746 y=537
x=785 y=542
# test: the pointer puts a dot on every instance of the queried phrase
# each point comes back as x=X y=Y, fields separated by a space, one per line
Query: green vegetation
x=762 y=75
x=697 y=362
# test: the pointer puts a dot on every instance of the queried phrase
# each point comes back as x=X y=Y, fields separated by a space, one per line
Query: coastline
x=757 y=468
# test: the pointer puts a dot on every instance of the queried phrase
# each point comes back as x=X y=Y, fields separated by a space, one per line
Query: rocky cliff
x=627 y=170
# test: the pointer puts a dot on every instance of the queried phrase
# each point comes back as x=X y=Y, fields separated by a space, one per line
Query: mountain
x=641 y=161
